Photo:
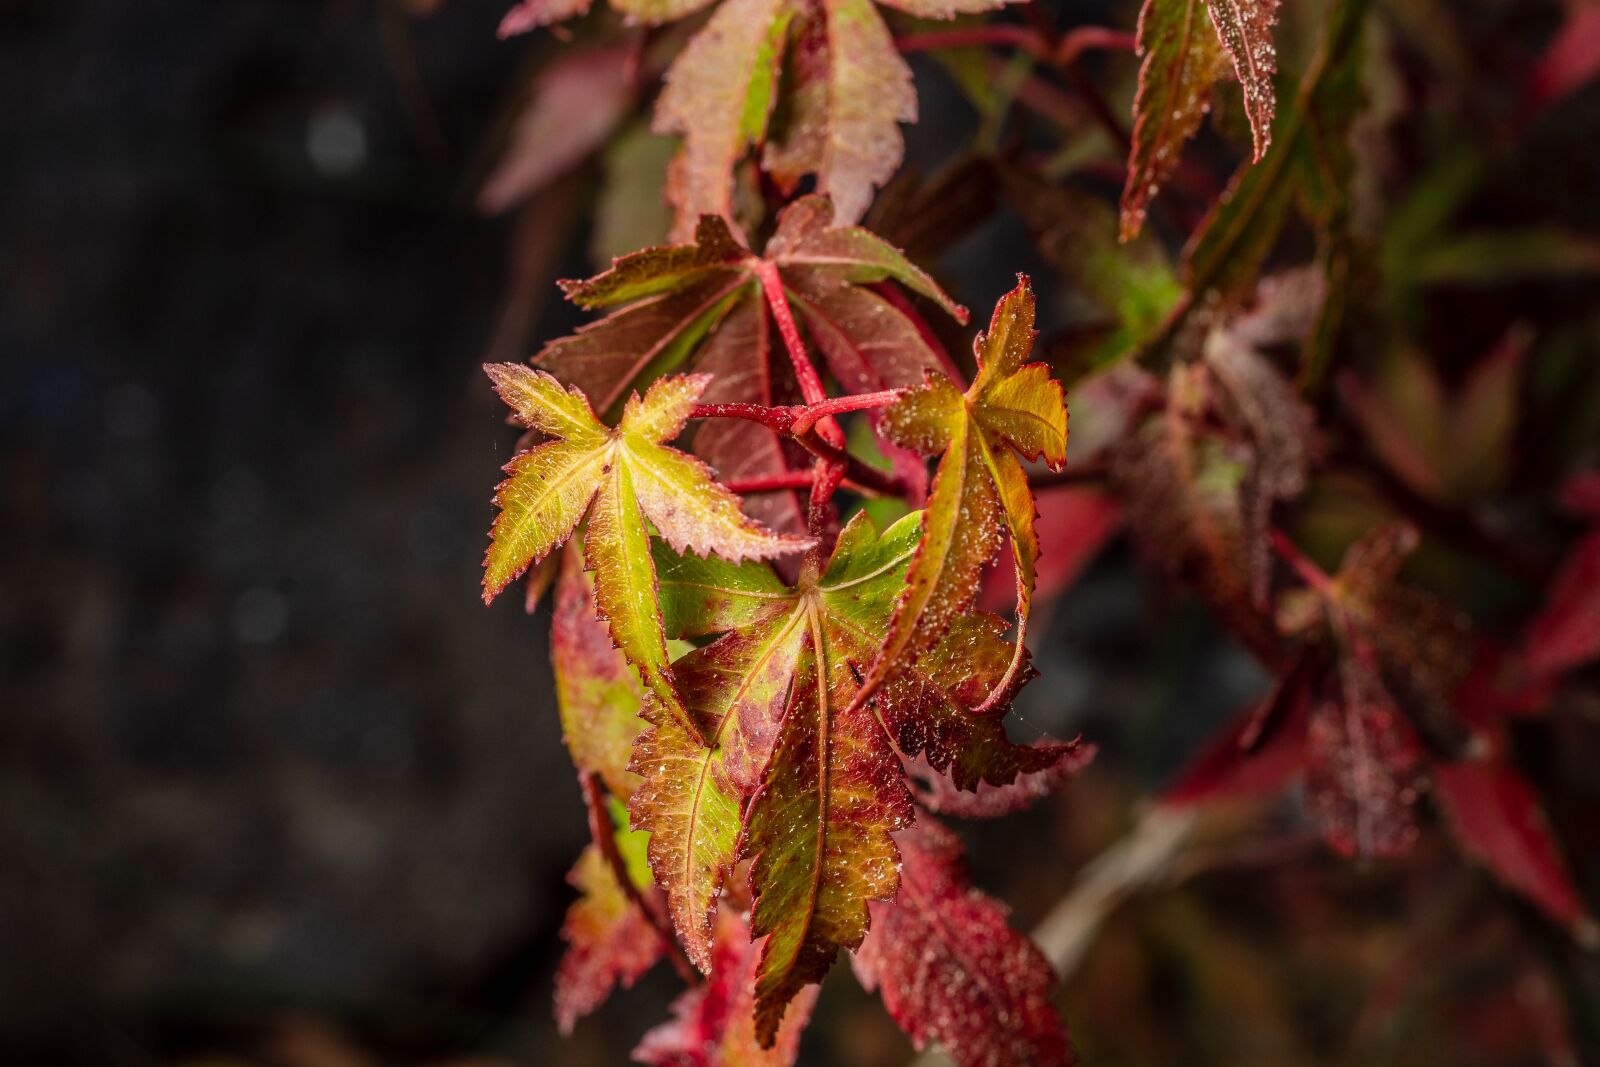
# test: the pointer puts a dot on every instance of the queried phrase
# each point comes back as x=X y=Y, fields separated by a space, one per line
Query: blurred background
x=276 y=788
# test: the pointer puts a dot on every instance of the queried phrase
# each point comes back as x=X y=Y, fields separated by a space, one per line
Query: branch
x=1074 y=43
x=1301 y=564
x=796 y=419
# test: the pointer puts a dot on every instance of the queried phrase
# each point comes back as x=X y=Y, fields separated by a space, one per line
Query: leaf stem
x=605 y=839
x=773 y=483
x=777 y=419
x=805 y=372
x=799 y=418
x=1075 y=42
x=1301 y=564
x=855 y=471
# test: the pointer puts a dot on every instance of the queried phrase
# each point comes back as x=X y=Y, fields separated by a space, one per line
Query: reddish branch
x=794 y=420
x=1302 y=565
x=812 y=427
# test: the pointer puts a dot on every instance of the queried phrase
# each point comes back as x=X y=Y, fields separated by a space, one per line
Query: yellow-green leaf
x=1013 y=408
x=618 y=478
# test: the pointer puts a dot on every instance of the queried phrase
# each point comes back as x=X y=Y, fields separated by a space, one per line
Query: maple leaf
x=1184 y=54
x=1012 y=409
x=714 y=1023
x=793 y=774
x=1401 y=656
x=618 y=478
x=597 y=694
x=949 y=968
x=1186 y=488
x=1245 y=29
x=848 y=91
x=1308 y=156
x=938 y=792
x=1566 y=631
x=1238 y=763
x=1420 y=646
x=610 y=941
x=702 y=302
x=531 y=14
x=1364 y=764
x=573 y=107
x=851 y=93
x=1182 y=59
x=1496 y=816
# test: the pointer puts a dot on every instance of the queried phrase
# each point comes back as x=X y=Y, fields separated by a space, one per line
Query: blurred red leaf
x=1570 y=59
x=1363 y=762
x=951 y=971
x=573 y=106
x=1245 y=760
x=1497 y=818
x=531 y=14
x=1566 y=632
x=609 y=940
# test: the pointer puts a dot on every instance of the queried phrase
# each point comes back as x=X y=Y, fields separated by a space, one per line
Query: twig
x=1074 y=43
x=796 y=419
x=1301 y=564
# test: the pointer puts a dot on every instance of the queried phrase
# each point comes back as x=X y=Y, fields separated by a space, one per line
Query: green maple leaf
x=792 y=773
x=1012 y=409
x=618 y=478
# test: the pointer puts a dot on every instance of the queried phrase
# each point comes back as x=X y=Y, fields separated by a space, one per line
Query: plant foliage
x=767 y=712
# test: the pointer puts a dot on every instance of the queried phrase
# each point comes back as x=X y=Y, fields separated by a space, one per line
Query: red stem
x=1301 y=564
x=812 y=414
x=798 y=419
x=778 y=420
x=1087 y=38
x=805 y=371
